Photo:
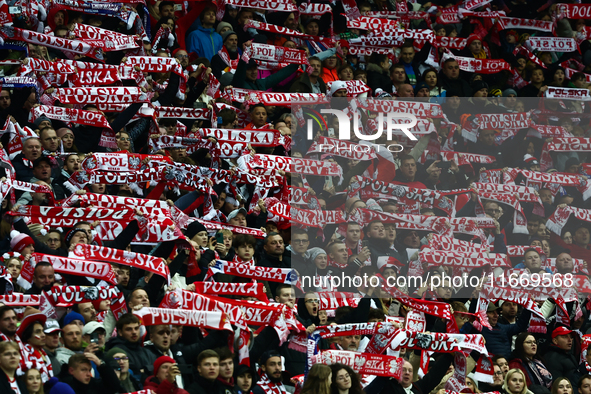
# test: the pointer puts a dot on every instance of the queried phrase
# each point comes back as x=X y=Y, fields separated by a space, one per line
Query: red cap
x=161 y=360
x=560 y=331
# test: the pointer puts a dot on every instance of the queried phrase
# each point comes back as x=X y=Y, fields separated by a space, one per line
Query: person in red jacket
x=163 y=381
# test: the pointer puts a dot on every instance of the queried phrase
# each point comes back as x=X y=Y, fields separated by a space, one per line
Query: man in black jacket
x=128 y=339
x=208 y=369
x=560 y=360
x=310 y=83
x=385 y=385
x=78 y=375
x=450 y=78
x=274 y=255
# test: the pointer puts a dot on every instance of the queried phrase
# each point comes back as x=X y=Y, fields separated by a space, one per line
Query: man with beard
x=8 y=324
x=72 y=343
x=310 y=83
x=43 y=278
x=226 y=60
x=71 y=165
x=270 y=381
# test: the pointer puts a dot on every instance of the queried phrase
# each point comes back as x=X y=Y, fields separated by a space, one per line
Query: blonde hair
x=509 y=376
x=318 y=380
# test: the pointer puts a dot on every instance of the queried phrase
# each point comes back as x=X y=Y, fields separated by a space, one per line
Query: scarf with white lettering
x=552 y=44
x=256 y=290
x=439 y=242
x=381 y=333
x=362 y=363
x=462 y=262
x=78 y=116
x=271 y=274
x=78 y=267
x=208 y=320
x=108 y=40
x=530 y=24
x=94 y=95
x=145 y=262
x=439 y=342
x=66 y=296
x=573 y=11
x=558 y=220
x=536 y=178
x=484 y=66
x=519 y=219
x=562 y=144
x=289 y=32
x=568 y=93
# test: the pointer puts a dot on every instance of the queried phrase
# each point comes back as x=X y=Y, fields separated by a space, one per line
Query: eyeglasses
x=121 y=358
x=499 y=373
x=344 y=377
x=311 y=301
x=124 y=139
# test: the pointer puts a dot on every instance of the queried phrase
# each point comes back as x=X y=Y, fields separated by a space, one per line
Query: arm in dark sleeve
x=165 y=99
x=279 y=76
x=521 y=325
x=125 y=116
x=357 y=170
x=40 y=247
x=240 y=75
x=359 y=314
x=266 y=340
x=499 y=244
x=125 y=237
x=214 y=339
x=435 y=374
x=109 y=378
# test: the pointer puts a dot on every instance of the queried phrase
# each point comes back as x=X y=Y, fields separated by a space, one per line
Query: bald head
x=405 y=90
x=564 y=264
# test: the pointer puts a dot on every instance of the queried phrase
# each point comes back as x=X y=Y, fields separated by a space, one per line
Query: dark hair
x=5 y=309
x=128 y=318
x=224 y=353
x=40 y=264
x=355 y=381
x=580 y=382
x=376 y=314
x=164 y=3
x=519 y=352
x=344 y=67
x=244 y=239
x=271 y=234
x=28 y=332
x=280 y=287
x=227 y=115
x=298 y=230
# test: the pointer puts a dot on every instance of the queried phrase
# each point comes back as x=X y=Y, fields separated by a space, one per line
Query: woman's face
x=530 y=149
x=515 y=383
x=321 y=261
x=546 y=247
x=14 y=268
x=521 y=63
x=312 y=29
x=564 y=387
x=431 y=79
x=331 y=62
x=123 y=141
x=343 y=380
x=33 y=381
x=220 y=201
x=244 y=382
x=530 y=346
x=470 y=384
x=567 y=238
x=520 y=106
x=201 y=238
x=68 y=141
x=454 y=102
x=259 y=116
x=37 y=340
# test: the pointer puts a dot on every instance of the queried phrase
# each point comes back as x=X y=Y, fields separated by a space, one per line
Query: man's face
x=130 y=332
x=182 y=57
x=299 y=243
x=209 y=368
x=139 y=297
x=545 y=196
x=275 y=245
x=493 y=318
x=72 y=164
x=312 y=304
x=49 y=140
x=398 y=76
x=537 y=76
x=317 y=66
x=408 y=169
x=161 y=337
x=451 y=70
x=244 y=17
x=87 y=311
x=8 y=323
x=72 y=337
x=52 y=340
x=167 y=11
x=32 y=149
x=412 y=240
x=487 y=137
x=312 y=29
x=405 y=90
x=407 y=374
x=350 y=342
x=82 y=373
x=564 y=264
x=238 y=220
x=42 y=171
x=286 y=296
x=498 y=376
x=565 y=342
x=101 y=335
x=476 y=47
x=585 y=386
x=581 y=237
x=377 y=230
x=122 y=276
x=339 y=253
x=273 y=369
x=532 y=261
x=226 y=369
x=492 y=209
x=353 y=233
x=509 y=309
x=43 y=277
x=208 y=17
x=231 y=43
x=5 y=100
x=407 y=55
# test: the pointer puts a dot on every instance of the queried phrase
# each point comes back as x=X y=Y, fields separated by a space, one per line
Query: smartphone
x=178 y=7
x=15 y=10
x=328 y=182
x=444 y=165
x=331 y=132
x=94 y=337
x=219 y=237
x=365 y=243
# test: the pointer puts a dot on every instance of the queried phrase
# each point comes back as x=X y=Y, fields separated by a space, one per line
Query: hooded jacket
x=204 y=42
x=140 y=358
x=377 y=77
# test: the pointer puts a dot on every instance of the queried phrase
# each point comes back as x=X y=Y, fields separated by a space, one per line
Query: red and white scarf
x=101 y=95
x=362 y=363
x=568 y=93
x=484 y=66
x=271 y=274
x=530 y=24
x=314 y=218
x=563 y=144
x=573 y=11
x=534 y=178
x=267 y=385
x=439 y=342
x=558 y=220
x=552 y=44
x=232 y=63
x=70 y=266
x=256 y=290
x=78 y=116
x=208 y=320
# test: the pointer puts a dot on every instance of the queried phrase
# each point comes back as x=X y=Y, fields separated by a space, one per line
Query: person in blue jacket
x=204 y=41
